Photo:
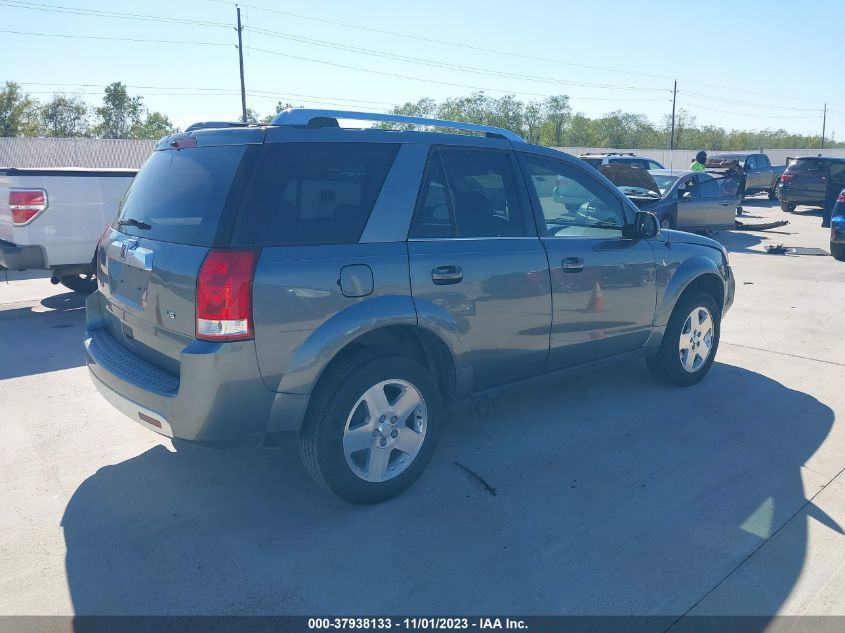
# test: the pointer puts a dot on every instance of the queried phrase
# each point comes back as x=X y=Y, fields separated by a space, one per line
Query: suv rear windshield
x=181 y=194
x=806 y=165
x=313 y=193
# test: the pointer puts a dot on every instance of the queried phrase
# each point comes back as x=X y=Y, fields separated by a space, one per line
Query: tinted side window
x=763 y=161
x=708 y=188
x=313 y=193
x=654 y=165
x=837 y=174
x=476 y=191
x=573 y=202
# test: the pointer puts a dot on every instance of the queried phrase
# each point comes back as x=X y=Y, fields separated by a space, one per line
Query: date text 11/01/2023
x=417 y=623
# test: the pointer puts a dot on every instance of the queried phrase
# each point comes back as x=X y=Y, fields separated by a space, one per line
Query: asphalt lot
x=613 y=494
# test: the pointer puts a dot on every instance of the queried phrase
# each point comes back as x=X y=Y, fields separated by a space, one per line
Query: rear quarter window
x=313 y=193
x=806 y=166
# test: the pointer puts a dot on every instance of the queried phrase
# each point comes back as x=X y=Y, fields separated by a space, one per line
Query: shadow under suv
x=353 y=285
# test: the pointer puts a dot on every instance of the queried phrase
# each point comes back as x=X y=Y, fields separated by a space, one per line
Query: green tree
x=281 y=106
x=154 y=126
x=533 y=121
x=556 y=115
x=18 y=112
x=65 y=116
x=120 y=114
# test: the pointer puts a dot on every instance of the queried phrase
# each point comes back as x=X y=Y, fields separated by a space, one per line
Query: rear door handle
x=445 y=275
x=572 y=264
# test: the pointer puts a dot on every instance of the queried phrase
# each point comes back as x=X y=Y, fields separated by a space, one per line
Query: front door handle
x=572 y=264
x=445 y=275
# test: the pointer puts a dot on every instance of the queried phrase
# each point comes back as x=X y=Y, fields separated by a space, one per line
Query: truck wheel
x=83 y=282
x=773 y=193
x=787 y=206
x=372 y=426
x=690 y=342
x=838 y=251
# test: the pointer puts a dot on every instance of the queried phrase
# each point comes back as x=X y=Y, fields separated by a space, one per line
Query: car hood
x=628 y=176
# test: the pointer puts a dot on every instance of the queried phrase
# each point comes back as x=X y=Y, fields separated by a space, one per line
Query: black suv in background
x=808 y=179
x=627 y=158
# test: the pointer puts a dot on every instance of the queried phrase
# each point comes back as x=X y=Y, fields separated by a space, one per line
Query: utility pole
x=241 y=59
x=824 y=123
x=672 y=134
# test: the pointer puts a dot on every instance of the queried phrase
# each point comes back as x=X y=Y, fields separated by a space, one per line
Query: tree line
x=551 y=121
x=119 y=116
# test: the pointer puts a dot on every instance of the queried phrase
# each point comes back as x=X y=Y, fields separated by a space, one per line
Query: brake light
x=25 y=205
x=224 y=296
x=787 y=177
x=841 y=197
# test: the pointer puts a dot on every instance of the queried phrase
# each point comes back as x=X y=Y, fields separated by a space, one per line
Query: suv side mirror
x=645 y=226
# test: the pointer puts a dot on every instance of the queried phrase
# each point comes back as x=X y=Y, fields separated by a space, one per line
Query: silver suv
x=354 y=285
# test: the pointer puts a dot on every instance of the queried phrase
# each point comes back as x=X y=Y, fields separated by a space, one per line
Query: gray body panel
x=511 y=315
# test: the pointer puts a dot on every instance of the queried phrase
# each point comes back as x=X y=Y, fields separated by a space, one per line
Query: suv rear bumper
x=219 y=395
x=16 y=257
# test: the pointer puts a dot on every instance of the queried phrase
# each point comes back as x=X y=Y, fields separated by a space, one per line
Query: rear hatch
x=804 y=178
x=182 y=203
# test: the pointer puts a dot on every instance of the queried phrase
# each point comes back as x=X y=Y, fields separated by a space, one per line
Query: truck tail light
x=787 y=177
x=224 y=296
x=26 y=204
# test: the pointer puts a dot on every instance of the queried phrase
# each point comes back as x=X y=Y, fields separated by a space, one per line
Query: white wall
x=681 y=158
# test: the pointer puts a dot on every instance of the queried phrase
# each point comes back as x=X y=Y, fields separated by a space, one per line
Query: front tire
x=787 y=206
x=773 y=193
x=83 y=282
x=838 y=251
x=372 y=426
x=690 y=342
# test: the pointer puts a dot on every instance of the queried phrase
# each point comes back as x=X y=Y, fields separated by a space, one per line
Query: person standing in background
x=699 y=162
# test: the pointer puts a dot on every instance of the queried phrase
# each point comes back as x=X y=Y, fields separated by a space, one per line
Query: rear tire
x=838 y=251
x=787 y=206
x=83 y=282
x=362 y=392
x=690 y=342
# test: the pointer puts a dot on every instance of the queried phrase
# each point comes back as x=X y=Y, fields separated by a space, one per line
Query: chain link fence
x=92 y=153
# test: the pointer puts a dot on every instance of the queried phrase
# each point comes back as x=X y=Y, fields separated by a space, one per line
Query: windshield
x=664 y=183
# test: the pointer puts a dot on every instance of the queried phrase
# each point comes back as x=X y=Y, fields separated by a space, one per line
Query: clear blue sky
x=748 y=64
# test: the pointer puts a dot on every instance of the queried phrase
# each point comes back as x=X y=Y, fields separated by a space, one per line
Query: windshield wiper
x=138 y=224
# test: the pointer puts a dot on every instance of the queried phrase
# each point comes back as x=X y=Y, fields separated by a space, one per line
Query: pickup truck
x=760 y=174
x=51 y=219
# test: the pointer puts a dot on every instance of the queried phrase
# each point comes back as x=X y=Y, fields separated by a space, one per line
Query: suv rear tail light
x=841 y=197
x=224 y=296
x=26 y=204
x=787 y=177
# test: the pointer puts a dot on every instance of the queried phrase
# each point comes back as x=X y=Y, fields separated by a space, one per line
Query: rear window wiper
x=138 y=224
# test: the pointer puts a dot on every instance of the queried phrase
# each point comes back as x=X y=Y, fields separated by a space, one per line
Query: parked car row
x=354 y=285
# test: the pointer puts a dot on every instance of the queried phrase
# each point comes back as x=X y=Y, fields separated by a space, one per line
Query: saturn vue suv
x=356 y=285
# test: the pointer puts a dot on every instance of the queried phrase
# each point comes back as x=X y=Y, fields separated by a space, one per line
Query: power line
x=465 y=46
x=756 y=115
x=51 y=8
x=116 y=39
x=447 y=65
x=430 y=81
x=746 y=103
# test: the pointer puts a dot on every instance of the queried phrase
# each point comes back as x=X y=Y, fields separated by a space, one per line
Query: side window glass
x=653 y=165
x=763 y=161
x=433 y=215
x=483 y=193
x=837 y=174
x=573 y=202
x=751 y=161
x=709 y=188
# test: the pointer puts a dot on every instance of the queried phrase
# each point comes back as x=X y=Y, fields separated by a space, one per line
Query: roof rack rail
x=204 y=125
x=323 y=118
x=608 y=154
